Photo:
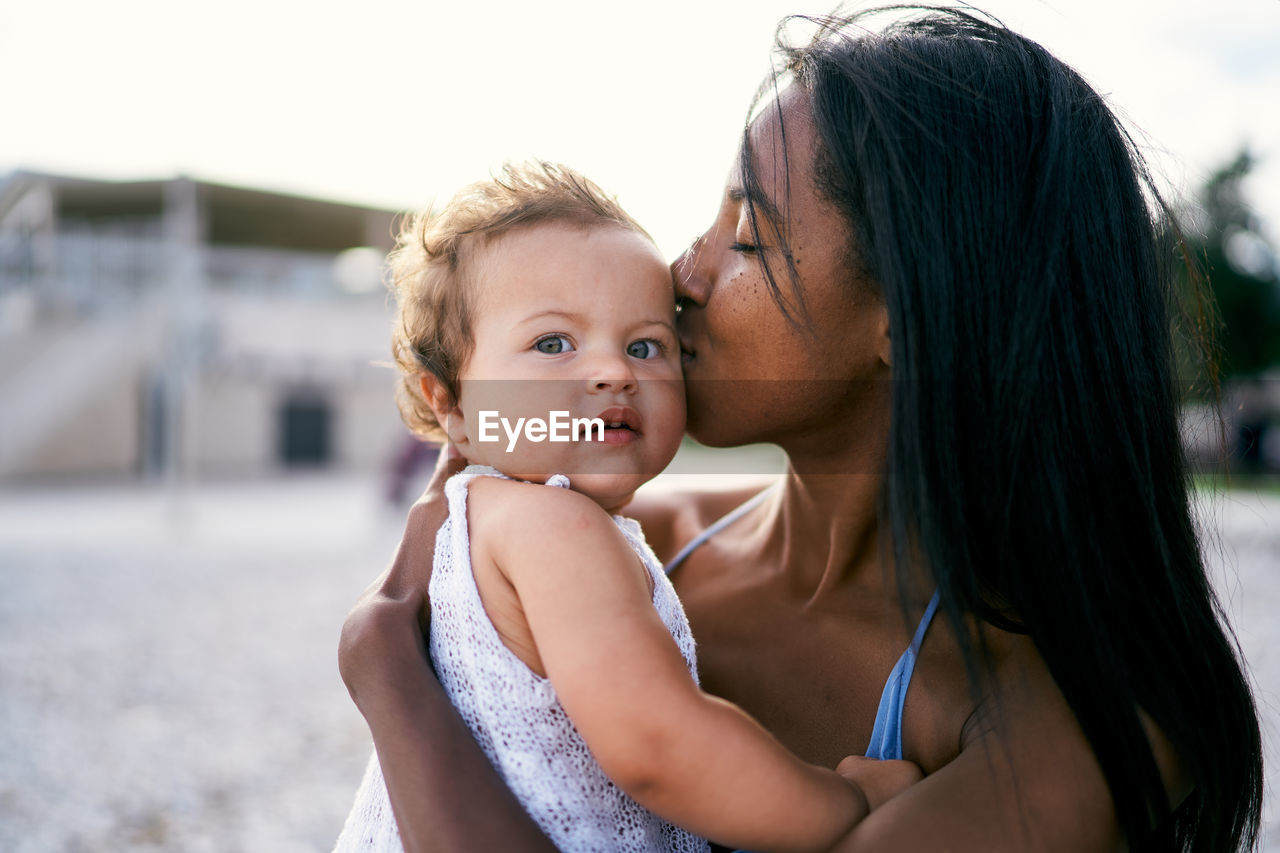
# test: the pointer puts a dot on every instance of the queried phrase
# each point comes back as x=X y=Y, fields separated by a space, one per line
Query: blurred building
x=170 y=327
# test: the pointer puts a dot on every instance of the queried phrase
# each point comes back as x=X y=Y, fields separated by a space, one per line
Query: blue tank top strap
x=886 y=735
x=720 y=524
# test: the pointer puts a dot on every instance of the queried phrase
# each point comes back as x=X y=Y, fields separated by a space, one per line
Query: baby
x=536 y=334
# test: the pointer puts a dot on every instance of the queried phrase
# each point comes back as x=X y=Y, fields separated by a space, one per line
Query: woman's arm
x=444 y=792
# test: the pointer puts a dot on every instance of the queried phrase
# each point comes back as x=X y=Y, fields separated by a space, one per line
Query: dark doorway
x=153 y=449
x=306 y=431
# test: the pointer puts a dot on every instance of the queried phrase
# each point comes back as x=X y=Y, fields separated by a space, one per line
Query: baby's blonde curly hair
x=434 y=257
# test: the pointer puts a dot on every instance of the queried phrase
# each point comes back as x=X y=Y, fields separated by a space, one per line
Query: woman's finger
x=410 y=572
x=448 y=462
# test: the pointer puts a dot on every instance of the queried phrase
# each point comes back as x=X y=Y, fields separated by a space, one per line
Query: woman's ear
x=884 y=345
x=446 y=409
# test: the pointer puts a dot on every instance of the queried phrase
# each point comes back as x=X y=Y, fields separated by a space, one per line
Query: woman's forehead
x=779 y=142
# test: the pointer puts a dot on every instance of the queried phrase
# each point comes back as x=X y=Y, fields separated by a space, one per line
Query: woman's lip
x=688 y=352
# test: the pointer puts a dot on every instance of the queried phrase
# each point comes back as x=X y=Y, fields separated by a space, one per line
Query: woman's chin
x=711 y=426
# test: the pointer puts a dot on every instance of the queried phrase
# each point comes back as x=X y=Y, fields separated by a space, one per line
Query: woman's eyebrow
x=761 y=206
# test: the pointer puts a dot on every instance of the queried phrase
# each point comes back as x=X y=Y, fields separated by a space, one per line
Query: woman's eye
x=646 y=348
x=553 y=345
x=743 y=248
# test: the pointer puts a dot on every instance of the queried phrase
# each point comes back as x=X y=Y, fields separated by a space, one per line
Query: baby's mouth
x=621 y=420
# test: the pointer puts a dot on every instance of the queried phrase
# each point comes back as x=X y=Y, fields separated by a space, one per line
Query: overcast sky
x=397 y=103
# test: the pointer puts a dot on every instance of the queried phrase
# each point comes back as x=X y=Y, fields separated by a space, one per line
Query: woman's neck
x=825 y=533
x=826 y=524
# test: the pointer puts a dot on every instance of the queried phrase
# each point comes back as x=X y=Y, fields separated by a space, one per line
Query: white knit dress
x=514 y=713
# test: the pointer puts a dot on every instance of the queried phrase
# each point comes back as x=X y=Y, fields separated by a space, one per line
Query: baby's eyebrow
x=578 y=318
x=553 y=312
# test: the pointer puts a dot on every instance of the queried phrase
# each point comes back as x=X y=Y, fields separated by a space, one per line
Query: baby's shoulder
x=522 y=528
x=532 y=509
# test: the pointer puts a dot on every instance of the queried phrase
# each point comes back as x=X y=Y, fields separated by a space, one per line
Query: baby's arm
x=696 y=760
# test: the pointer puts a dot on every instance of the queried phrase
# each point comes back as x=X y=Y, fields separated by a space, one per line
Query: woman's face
x=752 y=375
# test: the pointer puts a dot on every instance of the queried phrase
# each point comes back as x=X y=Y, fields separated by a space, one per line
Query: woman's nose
x=692 y=282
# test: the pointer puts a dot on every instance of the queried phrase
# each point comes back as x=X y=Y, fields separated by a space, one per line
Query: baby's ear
x=448 y=413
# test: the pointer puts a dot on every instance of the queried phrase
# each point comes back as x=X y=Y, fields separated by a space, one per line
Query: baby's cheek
x=485 y=439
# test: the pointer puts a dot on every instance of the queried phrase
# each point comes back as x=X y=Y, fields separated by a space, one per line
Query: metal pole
x=183 y=233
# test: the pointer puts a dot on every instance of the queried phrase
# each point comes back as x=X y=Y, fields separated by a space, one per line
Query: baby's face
x=579 y=321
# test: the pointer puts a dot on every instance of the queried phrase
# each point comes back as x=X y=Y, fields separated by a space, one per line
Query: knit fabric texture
x=514 y=713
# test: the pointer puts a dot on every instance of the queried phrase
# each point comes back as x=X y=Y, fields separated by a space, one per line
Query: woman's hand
x=879 y=780
x=397 y=600
x=444 y=793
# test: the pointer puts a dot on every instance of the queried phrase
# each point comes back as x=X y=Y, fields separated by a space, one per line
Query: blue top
x=886 y=735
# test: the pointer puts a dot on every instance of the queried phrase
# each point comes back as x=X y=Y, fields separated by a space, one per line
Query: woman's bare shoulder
x=1023 y=775
x=1023 y=680
x=1020 y=774
x=671 y=516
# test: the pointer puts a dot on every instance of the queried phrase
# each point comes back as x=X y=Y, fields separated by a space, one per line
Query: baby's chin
x=612 y=491
x=614 y=504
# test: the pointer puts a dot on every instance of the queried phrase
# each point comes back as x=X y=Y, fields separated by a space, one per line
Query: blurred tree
x=1226 y=240
x=1230 y=334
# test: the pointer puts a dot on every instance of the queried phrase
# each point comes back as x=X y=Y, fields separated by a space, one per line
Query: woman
x=935 y=283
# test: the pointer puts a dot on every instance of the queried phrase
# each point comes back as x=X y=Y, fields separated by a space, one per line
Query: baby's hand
x=879 y=780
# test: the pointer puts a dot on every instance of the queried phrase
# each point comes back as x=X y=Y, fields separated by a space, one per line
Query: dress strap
x=718 y=525
x=886 y=735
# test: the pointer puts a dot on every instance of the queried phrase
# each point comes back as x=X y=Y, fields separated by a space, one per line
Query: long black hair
x=1035 y=464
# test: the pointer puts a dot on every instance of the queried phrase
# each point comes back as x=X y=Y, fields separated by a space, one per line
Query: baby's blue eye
x=646 y=349
x=553 y=345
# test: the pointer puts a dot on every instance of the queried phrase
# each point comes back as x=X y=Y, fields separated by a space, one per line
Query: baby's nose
x=611 y=373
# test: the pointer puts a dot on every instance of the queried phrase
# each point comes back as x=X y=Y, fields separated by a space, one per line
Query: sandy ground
x=167 y=669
